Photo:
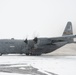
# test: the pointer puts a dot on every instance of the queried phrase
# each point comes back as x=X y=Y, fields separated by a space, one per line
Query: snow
x=9 y=73
x=50 y=65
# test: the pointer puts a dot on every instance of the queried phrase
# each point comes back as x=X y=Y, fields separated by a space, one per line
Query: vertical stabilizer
x=68 y=30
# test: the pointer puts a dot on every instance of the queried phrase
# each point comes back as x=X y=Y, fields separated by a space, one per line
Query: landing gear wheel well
x=0 y=54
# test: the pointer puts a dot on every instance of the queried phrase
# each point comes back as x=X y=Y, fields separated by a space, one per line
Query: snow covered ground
x=37 y=65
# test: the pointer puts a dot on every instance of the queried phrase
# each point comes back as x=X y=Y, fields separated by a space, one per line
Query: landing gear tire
x=27 y=54
x=35 y=54
x=38 y=54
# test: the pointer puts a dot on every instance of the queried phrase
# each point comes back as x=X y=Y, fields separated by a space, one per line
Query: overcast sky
x=30 y=18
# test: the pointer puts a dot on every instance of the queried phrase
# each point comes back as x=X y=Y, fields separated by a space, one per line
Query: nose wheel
x=0 y=54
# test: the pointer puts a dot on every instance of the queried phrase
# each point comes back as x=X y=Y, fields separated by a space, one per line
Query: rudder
x=68 y=30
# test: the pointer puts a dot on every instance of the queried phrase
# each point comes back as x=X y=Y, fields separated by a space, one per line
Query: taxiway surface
x=37 y=65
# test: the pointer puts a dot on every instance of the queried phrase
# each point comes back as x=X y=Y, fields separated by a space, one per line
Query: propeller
x=26 y=41
x=35 y=39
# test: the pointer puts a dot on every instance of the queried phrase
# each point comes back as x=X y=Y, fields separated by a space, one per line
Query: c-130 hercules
x=37 y=46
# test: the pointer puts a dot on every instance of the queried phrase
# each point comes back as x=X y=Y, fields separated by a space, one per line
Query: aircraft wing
x=63 y=37
x=60 y=39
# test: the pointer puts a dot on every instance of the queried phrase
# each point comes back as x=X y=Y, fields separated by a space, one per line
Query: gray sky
x=30 y=18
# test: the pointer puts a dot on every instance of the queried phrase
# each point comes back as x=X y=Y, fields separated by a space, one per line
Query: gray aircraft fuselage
x=37 y=46
x=11 y=46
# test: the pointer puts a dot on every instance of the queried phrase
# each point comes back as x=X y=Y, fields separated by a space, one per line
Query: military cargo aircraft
x=37 y=46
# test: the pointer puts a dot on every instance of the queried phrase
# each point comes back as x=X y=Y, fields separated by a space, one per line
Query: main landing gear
x=32 y=54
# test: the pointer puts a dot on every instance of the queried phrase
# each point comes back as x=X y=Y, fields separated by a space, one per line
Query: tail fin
x=68 y=30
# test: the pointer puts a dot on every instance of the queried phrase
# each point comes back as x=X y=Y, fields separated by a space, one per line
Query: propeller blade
x=35 y=39
x=26 y=41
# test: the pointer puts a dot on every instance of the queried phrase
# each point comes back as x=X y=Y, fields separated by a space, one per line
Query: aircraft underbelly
x=54 y=47
x=51 y=48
